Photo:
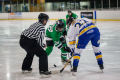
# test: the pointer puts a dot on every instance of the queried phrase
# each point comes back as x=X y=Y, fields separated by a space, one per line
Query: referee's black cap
x=42 y=17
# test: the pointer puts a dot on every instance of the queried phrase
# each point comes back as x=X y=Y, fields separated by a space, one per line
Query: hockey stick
x=66 y=63
x=70 y=62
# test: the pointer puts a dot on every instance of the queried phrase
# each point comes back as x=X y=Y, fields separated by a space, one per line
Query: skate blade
x=73 y=73
x=45 y=76
x=23 y=72
x=102 y=70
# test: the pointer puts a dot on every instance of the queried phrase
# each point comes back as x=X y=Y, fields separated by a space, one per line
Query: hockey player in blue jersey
x=86 y=31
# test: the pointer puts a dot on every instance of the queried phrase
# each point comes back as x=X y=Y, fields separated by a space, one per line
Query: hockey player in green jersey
x=70 y=14
x=54 y=36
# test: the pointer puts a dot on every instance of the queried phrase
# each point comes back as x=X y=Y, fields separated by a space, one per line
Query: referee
x=31 y=40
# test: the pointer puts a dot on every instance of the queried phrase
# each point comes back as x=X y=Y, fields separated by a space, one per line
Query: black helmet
x=59 y=24
x=69 y=11
x=42 y=17
x=69 y=21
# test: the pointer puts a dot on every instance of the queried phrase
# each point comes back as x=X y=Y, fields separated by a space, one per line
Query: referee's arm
x=41 y=38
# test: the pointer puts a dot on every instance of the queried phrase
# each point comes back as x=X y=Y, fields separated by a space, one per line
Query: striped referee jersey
x=35 y=31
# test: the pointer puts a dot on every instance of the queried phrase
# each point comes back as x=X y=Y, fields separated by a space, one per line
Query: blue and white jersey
x=80 y=27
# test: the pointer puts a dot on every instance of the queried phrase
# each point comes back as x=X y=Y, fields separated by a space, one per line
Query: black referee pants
x=33 y=48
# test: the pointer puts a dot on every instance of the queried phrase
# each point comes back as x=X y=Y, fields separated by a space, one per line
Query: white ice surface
x=12 y=55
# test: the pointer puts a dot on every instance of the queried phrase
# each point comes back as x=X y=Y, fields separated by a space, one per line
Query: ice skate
x=64 y=61
x=74 y=70
x=45 y=74
x=26 y=71
x=101 y=67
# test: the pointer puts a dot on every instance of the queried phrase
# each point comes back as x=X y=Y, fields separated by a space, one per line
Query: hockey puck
x=55 y=65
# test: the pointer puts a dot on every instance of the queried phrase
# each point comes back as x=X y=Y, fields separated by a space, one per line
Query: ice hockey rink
x=12 y=55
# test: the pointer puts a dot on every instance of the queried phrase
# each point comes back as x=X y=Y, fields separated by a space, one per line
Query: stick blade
x=61 y=70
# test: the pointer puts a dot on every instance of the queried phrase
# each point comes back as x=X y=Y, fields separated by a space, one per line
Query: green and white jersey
x=55 y=35
x=73 y=15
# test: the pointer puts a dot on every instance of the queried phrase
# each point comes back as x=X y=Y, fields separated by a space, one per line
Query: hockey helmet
x=69 y=21
x=69 y=11
x=59 y=24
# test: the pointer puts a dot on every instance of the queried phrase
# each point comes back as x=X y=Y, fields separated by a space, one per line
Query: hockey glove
x=67 y=49
x=62 y=39
x=72 y=51
x=65 y=33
